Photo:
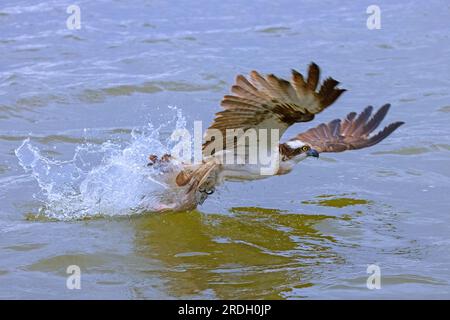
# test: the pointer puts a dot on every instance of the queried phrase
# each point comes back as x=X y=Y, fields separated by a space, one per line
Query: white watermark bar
x=374 y=280
x=73 y=22
x=73 y=281
x=252 y=146
x=374 y=20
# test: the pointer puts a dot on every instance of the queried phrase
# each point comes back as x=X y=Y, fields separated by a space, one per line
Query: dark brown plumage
x=273 y=103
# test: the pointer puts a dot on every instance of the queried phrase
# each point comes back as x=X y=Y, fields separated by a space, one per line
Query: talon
x=208 y=192
x=152 y=158
x=166 y=157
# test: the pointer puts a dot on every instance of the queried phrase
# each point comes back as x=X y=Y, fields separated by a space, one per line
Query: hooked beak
x=312 y=153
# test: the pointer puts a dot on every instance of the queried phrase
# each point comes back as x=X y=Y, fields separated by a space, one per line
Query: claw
x=208 y=192
x=152 y=158
x=166 y=157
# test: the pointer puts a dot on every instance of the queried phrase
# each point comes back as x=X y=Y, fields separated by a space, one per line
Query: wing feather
x=351 y=133
x=313 y=77
x=271 y=102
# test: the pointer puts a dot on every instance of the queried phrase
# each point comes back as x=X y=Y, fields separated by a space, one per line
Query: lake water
x=77 y=112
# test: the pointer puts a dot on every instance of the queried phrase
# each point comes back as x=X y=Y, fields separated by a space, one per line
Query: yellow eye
x=305 y=148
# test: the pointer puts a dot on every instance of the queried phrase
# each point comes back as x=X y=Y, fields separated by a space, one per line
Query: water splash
x=108 y=179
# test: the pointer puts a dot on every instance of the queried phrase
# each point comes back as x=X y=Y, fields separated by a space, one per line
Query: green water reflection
x=250 y=253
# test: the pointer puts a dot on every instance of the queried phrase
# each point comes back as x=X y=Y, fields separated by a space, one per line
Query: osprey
x=268 y=103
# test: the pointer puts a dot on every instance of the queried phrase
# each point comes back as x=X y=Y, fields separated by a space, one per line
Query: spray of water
x=107 y=179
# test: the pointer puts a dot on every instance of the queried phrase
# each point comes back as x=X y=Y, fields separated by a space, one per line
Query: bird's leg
x=201 y=197
x=207 y=191
x=208 y=186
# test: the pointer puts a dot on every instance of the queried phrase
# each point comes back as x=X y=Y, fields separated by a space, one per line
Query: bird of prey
x=264 y=103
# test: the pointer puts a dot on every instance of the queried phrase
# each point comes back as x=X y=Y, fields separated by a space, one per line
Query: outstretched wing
x=351 y=133
x=272 y=103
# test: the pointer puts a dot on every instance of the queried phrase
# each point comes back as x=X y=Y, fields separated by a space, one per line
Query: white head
x=296 y=151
